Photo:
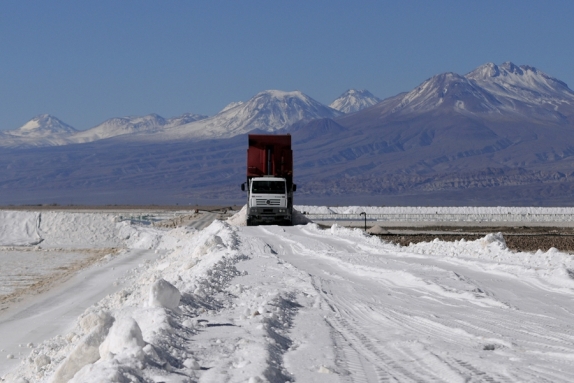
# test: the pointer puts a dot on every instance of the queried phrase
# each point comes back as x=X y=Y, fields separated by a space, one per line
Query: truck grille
x=268 y=202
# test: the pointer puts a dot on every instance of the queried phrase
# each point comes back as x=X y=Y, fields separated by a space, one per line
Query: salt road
x=53 y=313
x=275 y=304
x=396 y=315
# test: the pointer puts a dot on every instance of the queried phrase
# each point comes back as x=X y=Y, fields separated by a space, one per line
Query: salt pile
x=377 y=230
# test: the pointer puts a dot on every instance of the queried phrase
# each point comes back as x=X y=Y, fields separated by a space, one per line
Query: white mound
x=164 y=294
x=239 y=218
x=377 y=230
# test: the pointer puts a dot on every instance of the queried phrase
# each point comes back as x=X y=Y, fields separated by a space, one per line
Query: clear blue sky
x=87 y=61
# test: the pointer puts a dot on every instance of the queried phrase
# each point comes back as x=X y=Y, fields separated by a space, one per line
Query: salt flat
x=234 y=303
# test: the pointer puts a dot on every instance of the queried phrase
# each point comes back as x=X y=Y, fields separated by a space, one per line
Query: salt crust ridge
x=144 y=343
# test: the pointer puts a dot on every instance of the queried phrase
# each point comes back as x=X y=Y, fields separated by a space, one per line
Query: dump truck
x=269 y=183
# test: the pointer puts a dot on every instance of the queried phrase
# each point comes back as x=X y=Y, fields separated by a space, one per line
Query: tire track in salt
x=364 y=347
x=387 y=358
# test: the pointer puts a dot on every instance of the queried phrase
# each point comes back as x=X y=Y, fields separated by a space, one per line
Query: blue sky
x=87 y=61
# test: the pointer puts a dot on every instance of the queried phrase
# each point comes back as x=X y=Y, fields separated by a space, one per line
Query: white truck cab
x=268 y=201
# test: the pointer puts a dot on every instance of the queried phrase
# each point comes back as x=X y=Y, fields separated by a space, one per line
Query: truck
x=269 y=183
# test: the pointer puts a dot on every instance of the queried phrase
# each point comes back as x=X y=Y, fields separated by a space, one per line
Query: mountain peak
x=485 y=71
x=446 y=90
x=267 y=111
x=280 y=94
x=43 y=125
x=524 y=82
x=491 y=70
x=510 y=67
x=354 y=100
x=271 y=110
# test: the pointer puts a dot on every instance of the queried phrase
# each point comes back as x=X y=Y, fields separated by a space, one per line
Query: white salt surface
x=22 y=268
x=275 y=304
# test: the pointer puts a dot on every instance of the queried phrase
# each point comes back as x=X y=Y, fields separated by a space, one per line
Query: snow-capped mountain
x=133 y=124
x=41 y=126
x=354 y=100
x=42 y=130
x=268 y=111
x=121 y=125
x=523 y=82
x=47 y=130
x=185 y=118
x=449 y=91
x=490 y=107
x=508 y=89
x=522 y=87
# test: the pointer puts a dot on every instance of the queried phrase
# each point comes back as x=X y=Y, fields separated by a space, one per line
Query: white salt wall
x=442 y=213
x=59 y=229
x=433 y=210
x=19 y=228
x=79 y=230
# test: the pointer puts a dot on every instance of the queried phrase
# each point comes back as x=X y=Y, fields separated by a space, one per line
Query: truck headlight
x=281 y=210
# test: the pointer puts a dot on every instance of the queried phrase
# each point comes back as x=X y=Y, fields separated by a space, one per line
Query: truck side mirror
x=294 y=187
x=243 y=186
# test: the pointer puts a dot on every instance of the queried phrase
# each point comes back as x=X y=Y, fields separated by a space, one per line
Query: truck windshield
x=268 y=187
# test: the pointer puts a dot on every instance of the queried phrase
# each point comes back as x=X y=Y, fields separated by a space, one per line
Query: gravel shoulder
x=529 y=239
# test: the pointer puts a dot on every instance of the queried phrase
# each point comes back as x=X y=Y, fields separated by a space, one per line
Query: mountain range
x=501 y=134
x=268 y=111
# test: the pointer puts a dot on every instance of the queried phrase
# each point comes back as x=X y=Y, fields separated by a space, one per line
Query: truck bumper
x=268 y=215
